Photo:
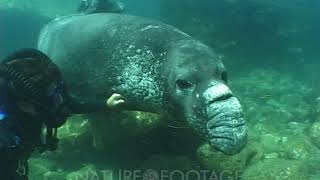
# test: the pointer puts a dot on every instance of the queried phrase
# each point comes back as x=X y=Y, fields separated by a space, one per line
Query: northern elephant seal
x=155 y=66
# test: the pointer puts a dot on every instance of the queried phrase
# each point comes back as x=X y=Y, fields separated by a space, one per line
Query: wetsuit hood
x=35 y=79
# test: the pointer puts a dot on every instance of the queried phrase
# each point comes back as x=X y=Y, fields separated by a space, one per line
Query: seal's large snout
x=226 y=128
x=217 y=92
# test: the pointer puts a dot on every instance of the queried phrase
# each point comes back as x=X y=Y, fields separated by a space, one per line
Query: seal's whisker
x=178 y=127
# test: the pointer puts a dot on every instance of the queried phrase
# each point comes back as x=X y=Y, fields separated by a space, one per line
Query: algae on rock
x=275 y=169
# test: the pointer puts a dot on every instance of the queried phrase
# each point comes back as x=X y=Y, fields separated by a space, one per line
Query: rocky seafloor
x=284 y=140
x=282 y=113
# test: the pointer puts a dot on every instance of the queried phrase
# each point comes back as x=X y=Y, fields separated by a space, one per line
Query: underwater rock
x=278 y=105
x=275 y=169
x=75 y=144
x=54 y=176
x=298 y=148
x=270 y=143
x=75 y=139
x=281 y=143
x=75 y=126
x=169 y=167
x=165 y=162
x=40 y=167
x=311 y=167
x=297 y=128
x=90 y=172
x=259 y=128
x=219 y=162
x=122 y=125
x=314 y=134
x=73 y=136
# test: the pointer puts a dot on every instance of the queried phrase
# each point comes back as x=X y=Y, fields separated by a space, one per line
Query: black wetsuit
x=20 y=133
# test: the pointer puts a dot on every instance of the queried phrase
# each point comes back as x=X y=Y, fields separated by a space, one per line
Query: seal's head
x=197 y=83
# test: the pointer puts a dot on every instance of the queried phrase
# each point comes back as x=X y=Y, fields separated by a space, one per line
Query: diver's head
x=36 y=84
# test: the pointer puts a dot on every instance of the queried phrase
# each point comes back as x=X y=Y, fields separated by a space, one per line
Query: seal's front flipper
x=101 y=6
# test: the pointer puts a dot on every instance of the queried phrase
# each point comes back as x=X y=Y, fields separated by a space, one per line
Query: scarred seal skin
x=155 y=66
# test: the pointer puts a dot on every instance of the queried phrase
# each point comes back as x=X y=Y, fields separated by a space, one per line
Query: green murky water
x=272 y=52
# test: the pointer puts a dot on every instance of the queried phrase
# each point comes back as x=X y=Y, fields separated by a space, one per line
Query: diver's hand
x=115 y=100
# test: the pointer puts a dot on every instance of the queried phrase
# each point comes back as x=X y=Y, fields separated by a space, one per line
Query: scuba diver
x=100 y=6
x=34 y=102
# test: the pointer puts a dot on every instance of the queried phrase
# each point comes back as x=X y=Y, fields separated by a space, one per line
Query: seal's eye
x=224 y=76
x=183 y=84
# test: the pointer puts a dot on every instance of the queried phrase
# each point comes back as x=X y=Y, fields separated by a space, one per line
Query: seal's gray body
x=113 y=53
x=155 y=66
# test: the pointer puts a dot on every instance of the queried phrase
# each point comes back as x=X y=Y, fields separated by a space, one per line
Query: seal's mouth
x=226 y=128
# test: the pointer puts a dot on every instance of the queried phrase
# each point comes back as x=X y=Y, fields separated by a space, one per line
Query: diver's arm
x=79 y=105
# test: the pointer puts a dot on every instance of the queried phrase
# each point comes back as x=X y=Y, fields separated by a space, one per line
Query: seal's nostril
x=221 y=98
x=217 y=92
x=224 y=97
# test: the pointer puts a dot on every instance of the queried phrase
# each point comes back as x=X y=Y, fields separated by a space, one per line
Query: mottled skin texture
x=156 y=67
